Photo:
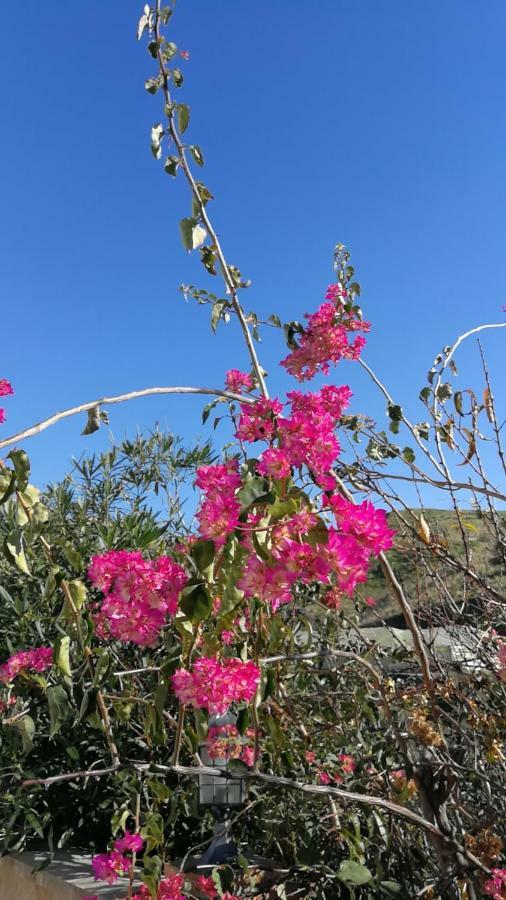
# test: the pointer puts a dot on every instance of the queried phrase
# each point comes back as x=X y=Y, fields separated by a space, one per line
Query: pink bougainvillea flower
x=324 y=340
x=370 y=601
x=237 y=381
x=218 y=514
x=258 y=420
x=310 y=756
x=109 y=866
x=37 y=660
x=184 y=54
x=170 y=888
x=348 y=763
x=275 y=462
x=206 y=886
x=5 y=388
x=495 y=887
x=367 y=524
x=139 y=594
x=324 y=778
x=214 y=684
x=129 y=841
x=5 y=391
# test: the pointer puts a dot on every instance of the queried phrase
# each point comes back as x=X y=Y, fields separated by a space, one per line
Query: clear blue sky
x=381 y=125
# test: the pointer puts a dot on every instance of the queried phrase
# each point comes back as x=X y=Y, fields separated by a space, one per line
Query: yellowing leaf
x=199 y=235
x=489 y=406
x=424 y=531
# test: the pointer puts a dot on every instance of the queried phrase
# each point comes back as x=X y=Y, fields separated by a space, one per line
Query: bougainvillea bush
x=372 y=769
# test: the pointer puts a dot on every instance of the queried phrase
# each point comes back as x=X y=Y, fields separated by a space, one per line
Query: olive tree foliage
x=378 y=762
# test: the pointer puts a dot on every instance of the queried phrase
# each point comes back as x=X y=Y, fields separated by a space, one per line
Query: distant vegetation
x=410 y=559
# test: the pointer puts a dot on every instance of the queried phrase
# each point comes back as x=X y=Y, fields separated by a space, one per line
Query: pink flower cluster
x=347 y=765
x=325 y=337
x=206 y=886
x=495 y=887
x=368 y=525
x=109 y=866
x=218 y=514
x=168 y=889
x=37 y=660
x=237 y=381
x=224 y=741
x=215 y=684
x=341 y=559
x=5 y=391
x=306 y=436
x=138 y=594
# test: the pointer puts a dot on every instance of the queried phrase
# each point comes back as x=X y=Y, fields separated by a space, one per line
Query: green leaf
x=186 y=227
x=183 y=116
x=26 y=728
x=444 y=392
x=78 y=592
x=208 y=259
x=196 y=603
x=171 y=165
x=254 y=490
x=395 y=414
x=408 y=454
x=217 y=312
x=196 y=152
x=61 y=655
x=153 y=49
x=21 y=465
x=14 y=550
x=169 y=50
x=425 y=394
x=152 y=85
x=72 y=556
x=422 y=429
x=59 y=707
x=353 y=872
x=203 y=553
x=242 y=722
x=177 y=77
x=457 y=399
x=7 y=483
x=392 y=889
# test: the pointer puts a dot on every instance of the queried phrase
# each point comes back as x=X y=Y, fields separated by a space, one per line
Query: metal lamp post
x=220 y=794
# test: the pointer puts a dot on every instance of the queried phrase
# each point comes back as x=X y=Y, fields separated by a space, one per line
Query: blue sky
x=381 y=125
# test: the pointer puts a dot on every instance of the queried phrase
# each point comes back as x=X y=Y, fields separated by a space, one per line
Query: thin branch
x=120 y=398
x=227 y=277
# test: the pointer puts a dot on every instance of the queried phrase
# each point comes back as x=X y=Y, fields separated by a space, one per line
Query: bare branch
x=120 y=398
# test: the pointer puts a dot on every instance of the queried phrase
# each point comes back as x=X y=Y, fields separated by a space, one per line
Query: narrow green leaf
x=61 y=655
x=183 y=116
x=59 y=707
x=186 y=227
x=196 y=152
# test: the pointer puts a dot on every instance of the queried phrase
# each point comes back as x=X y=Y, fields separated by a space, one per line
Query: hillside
x=421 y=588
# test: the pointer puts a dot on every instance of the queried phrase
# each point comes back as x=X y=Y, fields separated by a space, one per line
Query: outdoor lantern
x=221 y=795
x=215 y=790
